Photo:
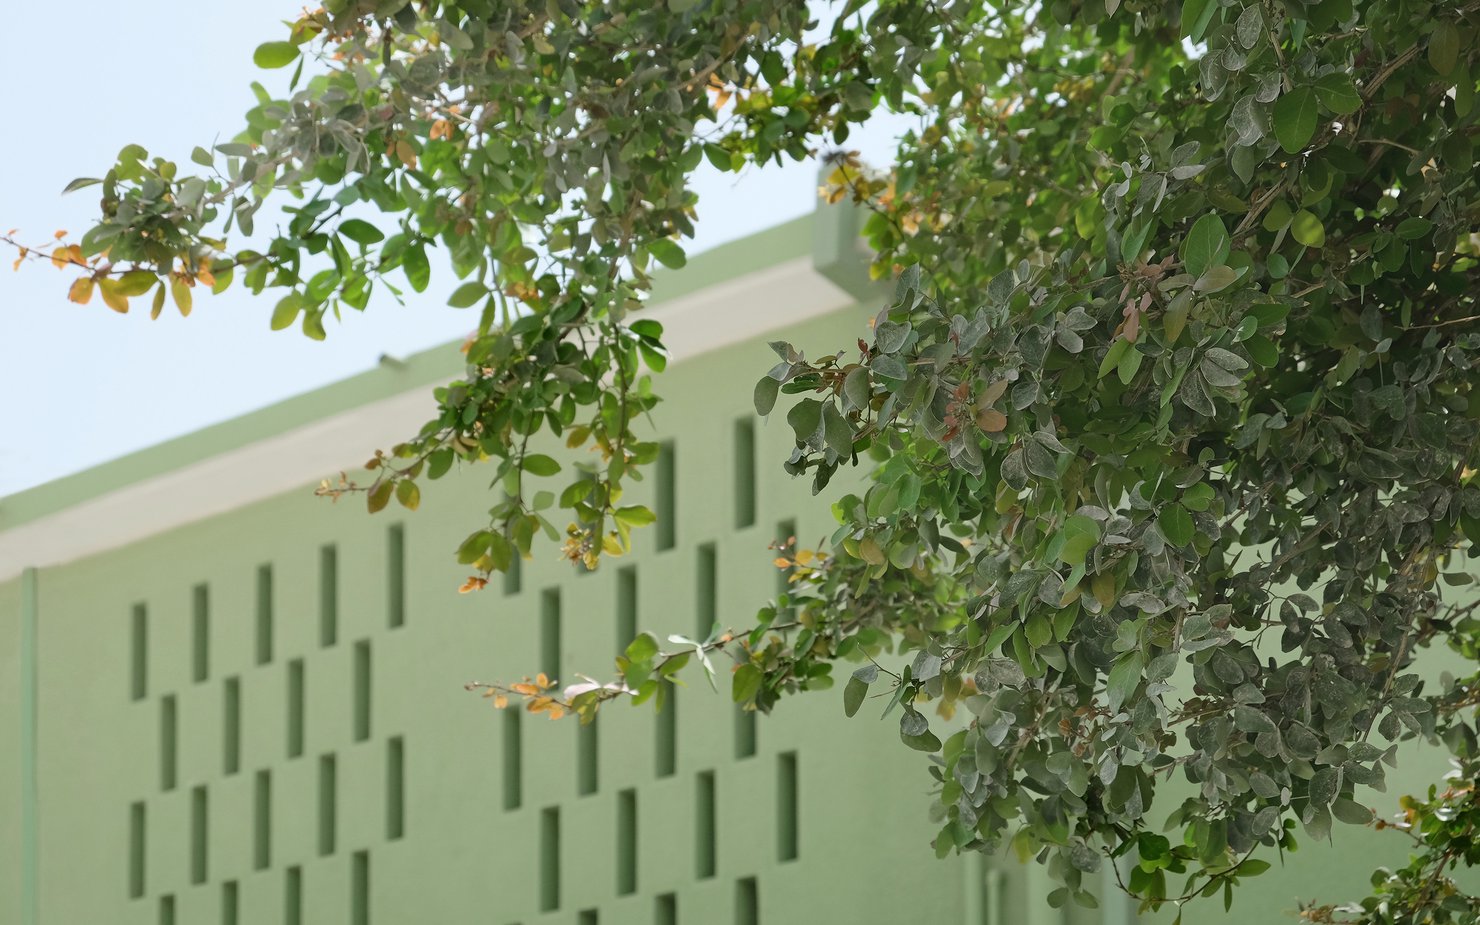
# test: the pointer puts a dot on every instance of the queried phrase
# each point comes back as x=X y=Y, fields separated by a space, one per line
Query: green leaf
x=765 y=395
x=1196 y=15
x=856 y=387
x=668 y=253
x=854 y=693
x=271 y=55
x=836 y=431
x=747 y=683
x=418 y=270
x=1444 y=47
x=642 y=648
x=805 y=418
x=541 y=465
x=1206 y=244
x=286 y=311
x=1175 y=524
x=80 y=183
x=635 y=515
x=360 y=231
x=468 y=295
x=1124 y=678
x=1338 y=94
x=1306 y=228
x=380 y=496
x=1295 y=119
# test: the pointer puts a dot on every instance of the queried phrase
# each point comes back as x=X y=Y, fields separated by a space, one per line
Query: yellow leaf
x=500 y=702
x=60 y=257
x=113 y=296
x=81 y=291
x=59 y=233
x=158 y=305
x=405 y=153
x=181 y=291
x=542 y=680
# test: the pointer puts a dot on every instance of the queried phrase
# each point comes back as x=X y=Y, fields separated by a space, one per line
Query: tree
x=1170 y=423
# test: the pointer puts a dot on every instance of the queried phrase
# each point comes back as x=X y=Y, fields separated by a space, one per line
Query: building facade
x=233 y=702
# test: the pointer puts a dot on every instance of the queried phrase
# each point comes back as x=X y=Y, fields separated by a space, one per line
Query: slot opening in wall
x=199 y=835
x=666 y=500
x=328 y=804
x=667 y=738
x=264 y=614
x=665 y=910
x=139 y=652
x=169 y=756
x=706 y=592
x=395 y=575
x=588 y=917
x=550 y=633
x=262 y=820
x=328 y=595
x=395 y=789
x=359 y=903
x=746 y=733
x=588 y=757
x=745 y=472
x=550 y=859
x=786 y=806
x=200 y=622
x=706 y=847
x=231 y=726
x=137 y=850
x=627 y=842
x=626 y=607
x=166 y=910
x=513 y=759
x=293 y=896
x=296 y=695
x=747 y=902
x=230 y=903
x=362 y=691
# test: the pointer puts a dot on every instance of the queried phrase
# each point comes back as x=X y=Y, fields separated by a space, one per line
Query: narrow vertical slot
x=550 y=859
x=667 y=755
x=137 y=850
x=362 y=690
x=994 y=896
x=262 y=820
x=514 y=576
x=264 y=614
x=665 y=910
x=745 y=472
x=666 y=502
x=513 y=759
x=230 y=903
x=139 y=652
x=296 y=694
x=745 y=733
x=293 y=896
x=199 y=835
x=328 y=804
x=359 y=889
x=626 y=607
x=395 y=575
x=328 y=595
x=706 y=592
x=786 y=806
x=747 y=902
x=627 y=842
x=231 y=726
x=166 y=910
x=550 y=633
x=705 y=846
x=588 y=917
x=169 y=756
x=395 y=789
x=200 y=661
x=587 y=758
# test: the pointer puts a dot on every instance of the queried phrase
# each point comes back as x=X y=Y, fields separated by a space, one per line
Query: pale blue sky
x=80 y=385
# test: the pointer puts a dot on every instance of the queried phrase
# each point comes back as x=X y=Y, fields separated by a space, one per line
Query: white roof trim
x=709 y=319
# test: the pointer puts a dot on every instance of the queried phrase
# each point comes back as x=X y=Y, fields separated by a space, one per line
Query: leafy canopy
x=1171 y=421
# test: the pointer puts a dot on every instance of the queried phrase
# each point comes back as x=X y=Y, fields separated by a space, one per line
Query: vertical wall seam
x=30 y=693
